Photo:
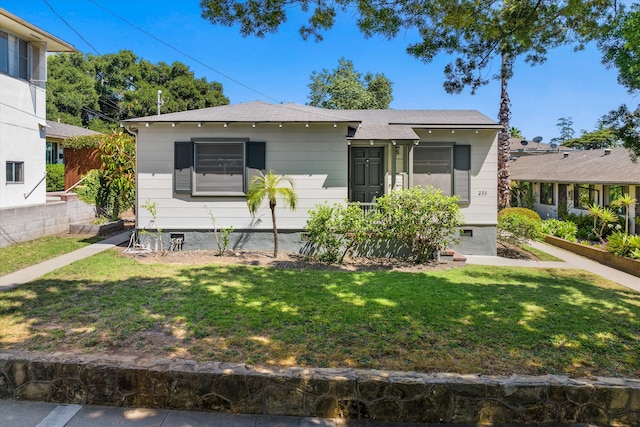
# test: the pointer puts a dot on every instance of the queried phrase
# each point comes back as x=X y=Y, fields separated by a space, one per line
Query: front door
x=562 y=200
x=367 y=173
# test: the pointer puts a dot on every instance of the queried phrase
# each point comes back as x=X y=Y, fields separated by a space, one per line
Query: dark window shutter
x=256 y=155
x=462 y=157
x=462 y=172
x=183 y=162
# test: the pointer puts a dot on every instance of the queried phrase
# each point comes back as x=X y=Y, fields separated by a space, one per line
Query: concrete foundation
x=474 y=240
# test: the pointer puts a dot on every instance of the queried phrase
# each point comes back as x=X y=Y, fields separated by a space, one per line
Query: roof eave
x=19 y=25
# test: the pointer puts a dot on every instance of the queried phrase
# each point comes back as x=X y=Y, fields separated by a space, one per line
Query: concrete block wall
x=23 y=223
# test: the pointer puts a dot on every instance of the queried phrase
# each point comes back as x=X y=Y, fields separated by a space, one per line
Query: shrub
x=563 y=229
x=521 y=211
x=623 y=244
x=515 y=228
x=584 y=224
x=55 y=177
x=421 y=219
x=335 y=230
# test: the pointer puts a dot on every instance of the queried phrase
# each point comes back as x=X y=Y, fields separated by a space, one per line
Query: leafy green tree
x=477 y=31
x=112 y=187
x=565 y=126
x=71 y=94
x=346 y=89
x=621 y=49
x=270 y=186
x=597 y=139
x=97 y=91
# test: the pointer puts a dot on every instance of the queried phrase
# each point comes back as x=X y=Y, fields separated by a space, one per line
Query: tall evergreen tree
x=622 y=50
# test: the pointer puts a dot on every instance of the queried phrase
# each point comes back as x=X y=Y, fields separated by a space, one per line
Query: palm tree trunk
x=504 y=149
x=272 y=205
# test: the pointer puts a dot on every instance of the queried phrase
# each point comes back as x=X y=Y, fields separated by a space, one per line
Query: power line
x=72 y=29
x=183 y=53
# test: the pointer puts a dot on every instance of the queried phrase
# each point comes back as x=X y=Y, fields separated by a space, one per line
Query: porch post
x=393 y=165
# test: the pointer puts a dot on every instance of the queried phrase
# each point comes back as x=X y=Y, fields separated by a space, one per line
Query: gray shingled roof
x=64 y=131
x=371 y=124
x=588 y=167
x=256 y=111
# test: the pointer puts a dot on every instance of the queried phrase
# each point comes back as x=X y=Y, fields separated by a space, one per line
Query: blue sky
x=277 y=68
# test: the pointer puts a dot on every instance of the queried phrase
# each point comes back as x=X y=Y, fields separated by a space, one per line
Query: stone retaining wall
x=349 y=394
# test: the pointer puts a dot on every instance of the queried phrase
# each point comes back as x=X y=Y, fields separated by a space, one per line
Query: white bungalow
x=195 y=162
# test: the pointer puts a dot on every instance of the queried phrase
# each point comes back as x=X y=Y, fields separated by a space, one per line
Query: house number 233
x=482 y=192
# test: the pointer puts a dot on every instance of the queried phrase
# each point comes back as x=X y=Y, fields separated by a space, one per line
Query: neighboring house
x=77 y=161
x=23 y=73
x=572 y=180
x=524 y=147
x=195 y=162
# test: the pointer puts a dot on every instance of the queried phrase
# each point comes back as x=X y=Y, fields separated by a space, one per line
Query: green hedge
x=55 y=178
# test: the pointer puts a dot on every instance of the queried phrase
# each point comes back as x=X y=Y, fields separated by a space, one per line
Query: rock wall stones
x=349 y=394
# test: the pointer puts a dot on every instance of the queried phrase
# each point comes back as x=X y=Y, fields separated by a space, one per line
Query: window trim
x=194 y=172
x=13 y=165
x=253 y=157
x=460 y=169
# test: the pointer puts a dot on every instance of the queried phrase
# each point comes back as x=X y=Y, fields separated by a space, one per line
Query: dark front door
x=562 y=200
x=366 y=173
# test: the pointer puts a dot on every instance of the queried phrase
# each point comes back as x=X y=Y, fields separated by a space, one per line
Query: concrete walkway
x=28 y=274
x=570 y=260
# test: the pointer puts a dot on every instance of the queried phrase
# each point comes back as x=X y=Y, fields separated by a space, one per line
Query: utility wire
x=72 y=29
x=183 y=53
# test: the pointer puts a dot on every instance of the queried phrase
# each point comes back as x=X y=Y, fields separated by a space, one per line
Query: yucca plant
x=624 y=202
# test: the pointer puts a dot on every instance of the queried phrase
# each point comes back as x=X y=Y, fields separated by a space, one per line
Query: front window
x=546 y=193
x=216 y=167
x=219 y=168
x=583 y=196
x=432 y=166
x=15 y=172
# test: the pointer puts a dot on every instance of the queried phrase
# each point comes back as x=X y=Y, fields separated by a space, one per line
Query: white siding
x=22 y=110
x=483 y=207
x=316 y=157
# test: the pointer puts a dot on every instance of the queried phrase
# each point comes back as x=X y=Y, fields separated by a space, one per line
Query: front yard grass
x=473 y=319
x=25 y=254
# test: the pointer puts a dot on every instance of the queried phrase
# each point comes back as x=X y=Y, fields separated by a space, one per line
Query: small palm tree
x=624 y=202
x=270 y=186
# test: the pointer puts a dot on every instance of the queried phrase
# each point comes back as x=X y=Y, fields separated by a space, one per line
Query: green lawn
x=21 y=255
x=473 y=319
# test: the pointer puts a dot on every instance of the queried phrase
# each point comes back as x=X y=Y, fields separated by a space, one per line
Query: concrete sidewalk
x=570 y=260
x=33 y=272
x=45 y=414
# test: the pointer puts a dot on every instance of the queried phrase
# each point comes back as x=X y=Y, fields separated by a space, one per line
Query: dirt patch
x=286 y=260
x=515 y=252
